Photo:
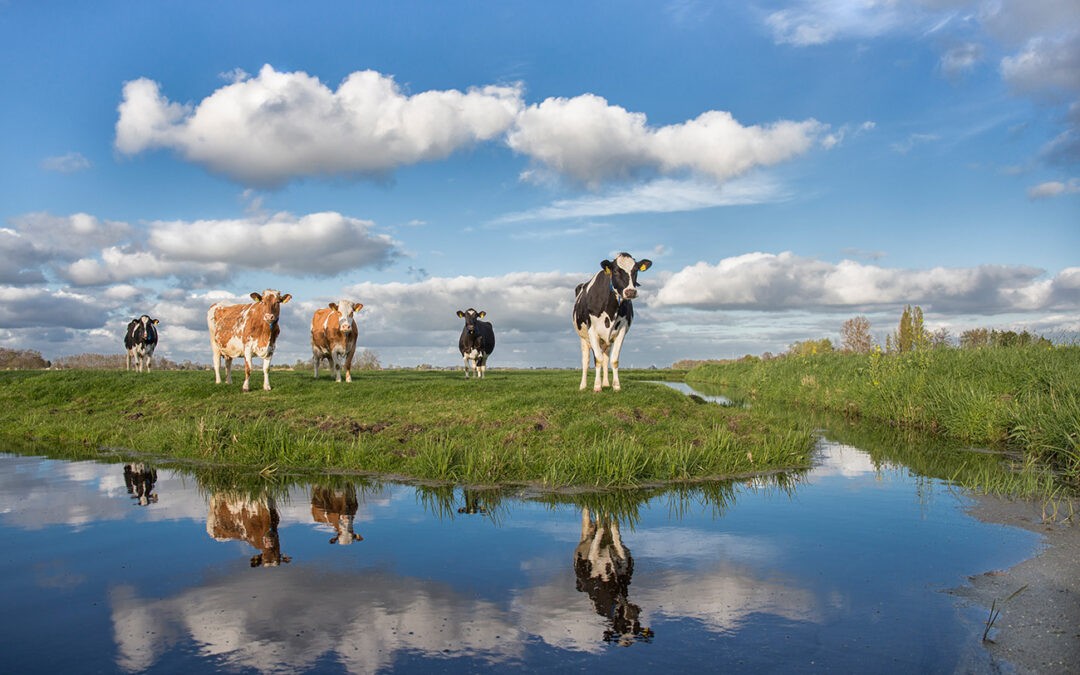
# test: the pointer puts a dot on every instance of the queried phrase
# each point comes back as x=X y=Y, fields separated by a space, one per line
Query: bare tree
x=367 y=360
x=855 y=335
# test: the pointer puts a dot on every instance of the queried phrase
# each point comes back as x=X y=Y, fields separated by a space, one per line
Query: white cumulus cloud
x=785 y=281
x=317 y=244
x=268 y=129
x=590 y=140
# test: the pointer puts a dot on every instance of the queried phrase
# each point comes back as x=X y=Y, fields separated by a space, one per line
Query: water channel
x=123 y=566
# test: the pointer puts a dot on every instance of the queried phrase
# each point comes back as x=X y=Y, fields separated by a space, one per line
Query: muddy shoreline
x=1038 y=629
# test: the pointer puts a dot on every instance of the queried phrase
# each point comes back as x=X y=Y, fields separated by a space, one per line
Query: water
x=108 y=567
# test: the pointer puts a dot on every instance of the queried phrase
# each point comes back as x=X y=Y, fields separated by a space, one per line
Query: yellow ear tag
x=607 y=271
x=642 y=268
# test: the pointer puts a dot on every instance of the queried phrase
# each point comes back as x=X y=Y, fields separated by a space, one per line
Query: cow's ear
x=461 y=314
x=333 y=306
x=156 y=322
x=285 y=298
x=256 y=297
x=606 y=266
x=482 y=314
x=644 y=264
x=357 y=306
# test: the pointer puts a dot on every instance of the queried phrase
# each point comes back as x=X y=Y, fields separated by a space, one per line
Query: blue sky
x=786 y=165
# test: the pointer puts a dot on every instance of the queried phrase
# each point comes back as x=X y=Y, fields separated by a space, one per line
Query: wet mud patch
x=346 y=426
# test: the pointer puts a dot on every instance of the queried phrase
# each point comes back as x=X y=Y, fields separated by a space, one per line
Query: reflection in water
x=139 y=480
x=251 y=519
x=313 y=617
x=474 y=503
x=839 y=568
x=604 y=567
x=336 y=507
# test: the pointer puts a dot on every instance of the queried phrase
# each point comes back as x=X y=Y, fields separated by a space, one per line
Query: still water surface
x=843 y=568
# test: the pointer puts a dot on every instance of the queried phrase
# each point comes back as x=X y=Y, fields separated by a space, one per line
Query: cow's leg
x=247 y=373
x=348 y=366
x=127 y=360
x=316 y=357
x=466 y=360
x=217 y=362
x=266 y=372
x=338 y=357
x=481 y=365
x=616 y=540
x=228 y=369
x=584 y=363
x=148 y=357
x=587 y=527
x=600 y=357
x=616 y=349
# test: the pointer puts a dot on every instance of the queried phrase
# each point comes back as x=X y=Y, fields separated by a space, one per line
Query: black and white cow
x=603 y=312
x=477 y=341
x=140 y=340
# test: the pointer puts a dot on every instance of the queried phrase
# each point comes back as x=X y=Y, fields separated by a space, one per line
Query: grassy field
x=513 y=427
x=1023 y=398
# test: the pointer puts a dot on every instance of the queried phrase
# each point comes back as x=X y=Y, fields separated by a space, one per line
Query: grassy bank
x=515 y=426
x=1026 y=398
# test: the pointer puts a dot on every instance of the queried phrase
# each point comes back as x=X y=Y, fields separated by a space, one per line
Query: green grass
x=530 y=427
x=1027 y=399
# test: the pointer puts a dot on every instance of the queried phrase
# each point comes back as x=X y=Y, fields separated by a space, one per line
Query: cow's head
x=622 y=274
x=271 y=301
x=271 y=555
x=345 y=534
x=345 y=310
x=471 y=315
x=148 y=326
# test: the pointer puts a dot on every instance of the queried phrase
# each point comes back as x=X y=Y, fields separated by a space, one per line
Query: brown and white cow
x=247 y=331
x=254 y=520
x=337 y=508
x=333 y=337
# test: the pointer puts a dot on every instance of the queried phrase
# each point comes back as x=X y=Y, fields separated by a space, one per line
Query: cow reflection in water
x=604 y=567
x=254 y=520
x=336 y=507
x=474 y=504
x=139 y=480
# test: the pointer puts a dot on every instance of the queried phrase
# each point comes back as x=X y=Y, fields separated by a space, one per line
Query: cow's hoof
x=266 y=388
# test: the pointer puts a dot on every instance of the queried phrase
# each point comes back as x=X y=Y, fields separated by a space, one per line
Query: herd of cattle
x=603 y=312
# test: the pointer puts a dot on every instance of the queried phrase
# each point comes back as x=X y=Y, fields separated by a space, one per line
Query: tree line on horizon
x=910 y=335
x=855 y=338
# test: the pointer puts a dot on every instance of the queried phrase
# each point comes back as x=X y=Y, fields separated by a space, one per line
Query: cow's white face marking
x=627 y=265
x=345 y=312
